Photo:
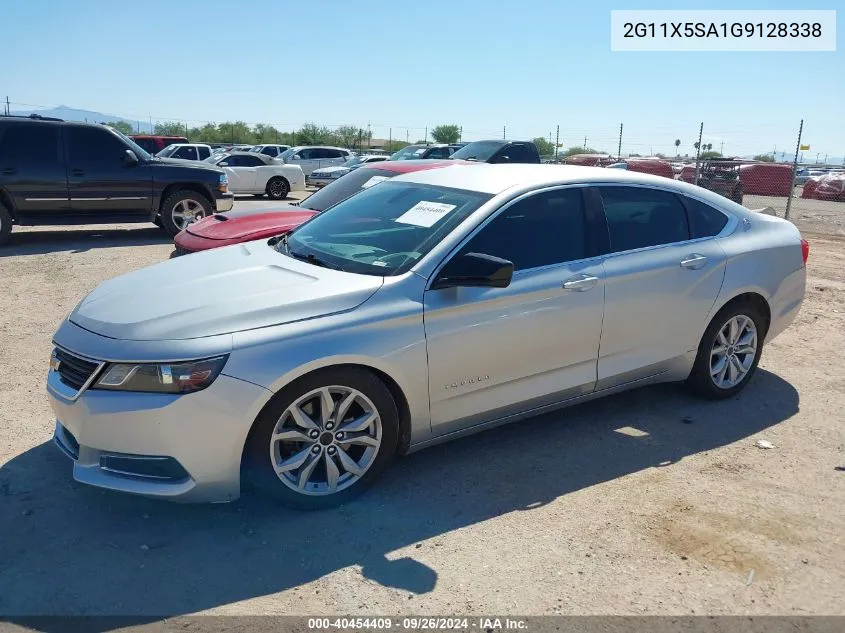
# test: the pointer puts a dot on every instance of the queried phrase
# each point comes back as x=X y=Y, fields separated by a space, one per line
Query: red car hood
x=236 y=225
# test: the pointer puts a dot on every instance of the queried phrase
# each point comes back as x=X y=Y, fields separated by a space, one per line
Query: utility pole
x=557 y=140
x=407 y=135
x=8 y=108
x=619 y=149
x=461 y=134
x=151 y=124
x=722 y=148
x=504 y=133
x=390 y=140
x=698 y=152
x=426 y=135
x=585 y=142
x=794 y=170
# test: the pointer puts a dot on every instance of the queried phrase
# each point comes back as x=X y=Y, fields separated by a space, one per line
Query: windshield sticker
x=425 y=213
x=379 y=263
x=374 y=181
x=420 y=151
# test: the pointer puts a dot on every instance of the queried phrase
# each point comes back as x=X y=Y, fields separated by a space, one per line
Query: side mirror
x=295 y=157
x=130 y=158
x=475 y=270
x=223 y=164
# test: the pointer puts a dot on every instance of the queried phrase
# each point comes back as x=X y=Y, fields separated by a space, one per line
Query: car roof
x=298 y=147
x=410 y=166
x=497 y=178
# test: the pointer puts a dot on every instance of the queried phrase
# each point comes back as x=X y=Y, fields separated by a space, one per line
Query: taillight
x=805 y=250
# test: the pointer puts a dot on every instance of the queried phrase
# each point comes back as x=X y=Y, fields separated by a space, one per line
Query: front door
x=100 y=180
x=242 y=172
x=33 y=169
x=497 y=351
x=661 y=283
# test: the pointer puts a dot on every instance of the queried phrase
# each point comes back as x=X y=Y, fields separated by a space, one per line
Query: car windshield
x=343 y=187
x=355 y=160
x=287 y=154
x=215 y=158
x=410 y=152
x=139 y=151
x=383 y=230
x=168 y=151
x=479 y=150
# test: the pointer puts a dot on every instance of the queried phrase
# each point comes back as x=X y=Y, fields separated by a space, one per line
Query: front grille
x=73 y=370
x=143 y=466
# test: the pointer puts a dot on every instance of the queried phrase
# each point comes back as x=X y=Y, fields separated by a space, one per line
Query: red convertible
x=234 y=227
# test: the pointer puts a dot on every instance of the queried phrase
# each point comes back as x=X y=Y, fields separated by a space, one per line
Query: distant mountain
x=74 y=114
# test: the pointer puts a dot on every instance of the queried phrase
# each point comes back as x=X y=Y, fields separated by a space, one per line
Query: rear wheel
x=324 y=439
x=5 y=223
x=729 y=352
x=277 y=188
x=182 y=208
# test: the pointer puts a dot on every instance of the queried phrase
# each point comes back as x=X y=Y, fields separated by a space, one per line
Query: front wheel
x=182 y=208
x=277 y=188
x=729 y=352
x=324 y=439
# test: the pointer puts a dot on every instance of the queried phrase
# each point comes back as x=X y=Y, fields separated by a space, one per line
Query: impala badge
x=467 y=381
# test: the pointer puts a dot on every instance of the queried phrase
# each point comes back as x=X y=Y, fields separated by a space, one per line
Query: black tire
x=257 y=461
x=168 y=204
x=5 y=224
x=700 y=381
x=277 y=188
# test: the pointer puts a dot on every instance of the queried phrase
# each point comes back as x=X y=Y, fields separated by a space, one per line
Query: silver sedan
x=428 y=306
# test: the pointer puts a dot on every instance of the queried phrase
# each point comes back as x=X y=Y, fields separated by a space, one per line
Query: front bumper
x=224 y=201
x=318 y=182
x=184 y=448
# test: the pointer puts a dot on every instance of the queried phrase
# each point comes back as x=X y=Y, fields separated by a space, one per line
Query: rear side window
x=705 y=221
x=638 y=217
x=516 y=153
x=188 y=153
x=541 y=230
x=439 y=152
x=204 y=152
x=29 y=144
x=270 y=151
x=88 y=144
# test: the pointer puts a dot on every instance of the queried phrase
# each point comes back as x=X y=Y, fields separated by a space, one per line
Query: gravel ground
x=649 y=502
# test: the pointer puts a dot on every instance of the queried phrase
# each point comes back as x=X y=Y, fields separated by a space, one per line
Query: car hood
x=330 y=170
x=219 y=291
x=193 y=164
x=232 y=226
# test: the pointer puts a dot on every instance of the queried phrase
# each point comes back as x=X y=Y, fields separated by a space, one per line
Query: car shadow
x=71 y=549
x=81 y=240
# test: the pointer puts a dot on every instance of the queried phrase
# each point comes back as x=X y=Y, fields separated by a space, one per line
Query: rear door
x=32 y=168
x=662 y=279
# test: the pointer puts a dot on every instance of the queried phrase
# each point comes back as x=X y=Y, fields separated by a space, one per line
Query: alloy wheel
x=733 y=351
x=187 y=212
x=326 y=440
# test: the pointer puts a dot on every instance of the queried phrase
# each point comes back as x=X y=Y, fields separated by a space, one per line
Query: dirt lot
x=647 y=502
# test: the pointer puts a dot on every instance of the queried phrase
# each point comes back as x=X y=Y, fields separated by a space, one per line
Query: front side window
x=480 y=151
x=638 y=217
x=544 y=229
x=410 y=152
x=383 y=230
x=439 y=152
x=517 y=153
x=90 y=144
x=187 y=153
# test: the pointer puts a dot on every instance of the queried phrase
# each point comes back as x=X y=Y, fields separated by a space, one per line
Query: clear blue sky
x=527 y=65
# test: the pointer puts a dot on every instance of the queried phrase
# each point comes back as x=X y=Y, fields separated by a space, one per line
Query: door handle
x=581 y=282
x=694 y=261
x=77 y=172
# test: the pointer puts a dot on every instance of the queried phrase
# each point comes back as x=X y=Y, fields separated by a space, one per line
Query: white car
x=259 y=174
x=313 y=157
x=327 y=175
x=187 y=151
x=270 y=150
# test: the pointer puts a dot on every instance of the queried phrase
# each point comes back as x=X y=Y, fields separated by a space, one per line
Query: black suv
x=57 y=172
x=499 y=151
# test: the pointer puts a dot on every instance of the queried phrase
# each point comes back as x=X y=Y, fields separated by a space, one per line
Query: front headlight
x=182 y=377
x=341 y=172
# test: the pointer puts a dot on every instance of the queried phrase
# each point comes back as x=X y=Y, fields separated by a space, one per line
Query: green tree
x=312 y=134
x=446 y=134
x=205 y=134
x=235 y=132
x=347 y=135
x=120 y=126
x=169 y=128
x=544 y=147
x=394 y=146
x=580 y=150
x=677 y=147
x=265 y=133
x=710 y=154
x=765 y=158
